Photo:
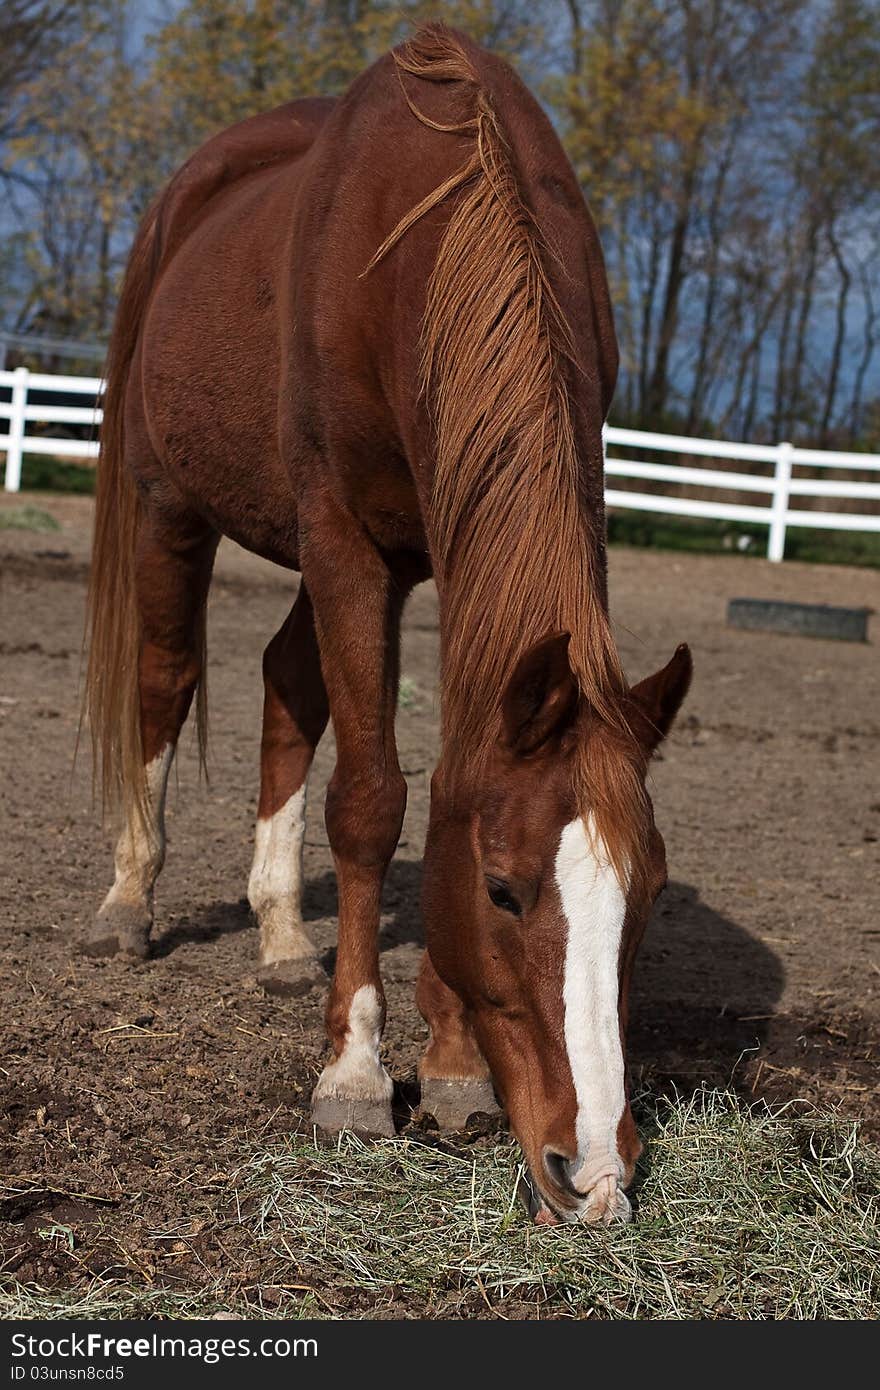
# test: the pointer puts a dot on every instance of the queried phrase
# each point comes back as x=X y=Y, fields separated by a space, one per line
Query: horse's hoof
x=122 y=929
x=370 y=1118
x=452 y=1102
x=291 y=978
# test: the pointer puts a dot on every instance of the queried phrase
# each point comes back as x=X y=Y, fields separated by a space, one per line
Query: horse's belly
x=210 y=370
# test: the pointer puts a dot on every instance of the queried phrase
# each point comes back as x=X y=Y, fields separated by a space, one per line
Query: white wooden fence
x=779 y=490
x=778 y=515
x=19 y=440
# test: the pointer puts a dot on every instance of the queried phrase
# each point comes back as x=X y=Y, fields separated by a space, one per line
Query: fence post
x=779 y=511
x=16 y=429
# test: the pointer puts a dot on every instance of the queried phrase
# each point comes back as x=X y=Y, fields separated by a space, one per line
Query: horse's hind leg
x=294 y=718
x=455 y=1078
x=174 y=559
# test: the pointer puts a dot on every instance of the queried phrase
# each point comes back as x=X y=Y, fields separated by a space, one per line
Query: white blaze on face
x=595 y=907
x=358 y=1071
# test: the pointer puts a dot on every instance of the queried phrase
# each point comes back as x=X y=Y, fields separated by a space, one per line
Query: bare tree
x=31 y=33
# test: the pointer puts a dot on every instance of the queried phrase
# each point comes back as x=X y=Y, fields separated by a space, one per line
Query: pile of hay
x=741 y=1212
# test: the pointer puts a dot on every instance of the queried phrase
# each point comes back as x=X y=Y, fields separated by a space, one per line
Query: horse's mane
x=518 y=554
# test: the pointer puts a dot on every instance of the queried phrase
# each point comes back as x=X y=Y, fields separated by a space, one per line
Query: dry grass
x=742 y=1213
x=27 y=518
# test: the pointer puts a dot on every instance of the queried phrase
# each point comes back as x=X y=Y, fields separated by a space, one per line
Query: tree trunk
x=658 y=388
x=803 y=324
x=103 y=313
x=749 y=362
x=870 y=343
x=648 y=324
x=709 y=304
x=751 y=410
x=839 y=336
x=780 y=394
x=577 y=36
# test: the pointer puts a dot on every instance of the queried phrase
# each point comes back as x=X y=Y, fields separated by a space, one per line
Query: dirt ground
x=125 y=1088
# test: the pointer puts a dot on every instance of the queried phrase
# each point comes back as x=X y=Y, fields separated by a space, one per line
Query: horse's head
x=535 y=903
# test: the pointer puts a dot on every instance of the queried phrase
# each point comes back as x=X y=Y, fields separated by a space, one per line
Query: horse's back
x=209 y=350
x=270 y=139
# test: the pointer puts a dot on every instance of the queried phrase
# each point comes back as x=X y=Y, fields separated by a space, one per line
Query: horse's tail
x=111 y=702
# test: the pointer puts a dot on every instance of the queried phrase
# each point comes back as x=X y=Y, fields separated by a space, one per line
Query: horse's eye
x=501 y=896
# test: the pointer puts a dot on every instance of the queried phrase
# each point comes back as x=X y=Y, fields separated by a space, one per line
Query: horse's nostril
x=557 y=1168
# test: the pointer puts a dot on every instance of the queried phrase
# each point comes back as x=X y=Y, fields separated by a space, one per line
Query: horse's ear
x=658 y=698
x=541 y=695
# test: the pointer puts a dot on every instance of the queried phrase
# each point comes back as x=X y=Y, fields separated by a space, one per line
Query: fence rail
x=19 y=412
x=778 y=489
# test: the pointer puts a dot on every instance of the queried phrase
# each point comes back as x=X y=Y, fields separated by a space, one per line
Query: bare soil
x=131 y=1089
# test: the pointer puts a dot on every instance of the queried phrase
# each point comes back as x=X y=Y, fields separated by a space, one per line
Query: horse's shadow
x=704 y=989
x=401 y=912
x=401 y=918
x=204 y=924
x=703 y=995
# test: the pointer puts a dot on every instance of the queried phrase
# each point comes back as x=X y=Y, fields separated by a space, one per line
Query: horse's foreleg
x=455 y=1078
x=173 y=572
x=357 y=609
x=294 y=718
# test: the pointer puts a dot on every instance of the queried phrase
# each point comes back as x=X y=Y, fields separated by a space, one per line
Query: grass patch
x=407 y=693
x=42 y=473
x=742 y=1213
x=27 y=519
x=20 y=1303
x=704 y=536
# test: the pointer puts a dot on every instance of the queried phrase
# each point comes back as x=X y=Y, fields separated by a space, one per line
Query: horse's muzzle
x=593 y=1195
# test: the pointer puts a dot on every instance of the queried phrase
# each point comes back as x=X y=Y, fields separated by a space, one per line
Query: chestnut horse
x=371 y=339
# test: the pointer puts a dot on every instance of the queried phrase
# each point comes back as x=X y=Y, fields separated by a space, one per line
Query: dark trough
x=799 y=619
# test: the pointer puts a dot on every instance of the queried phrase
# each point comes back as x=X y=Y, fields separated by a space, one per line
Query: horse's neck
x=493 y=609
